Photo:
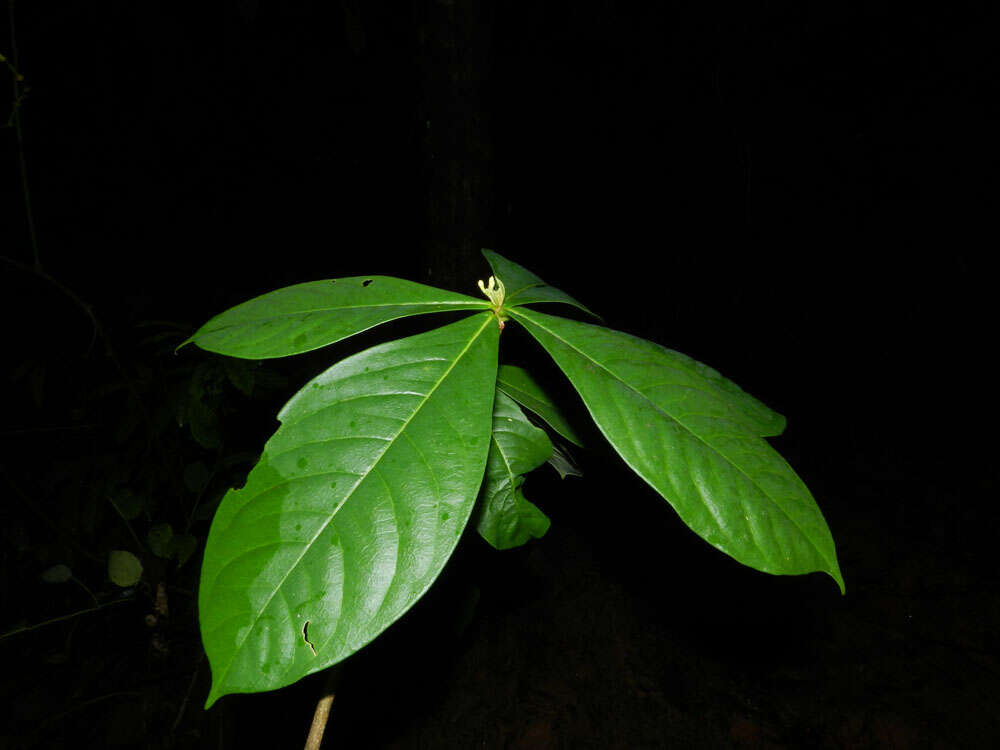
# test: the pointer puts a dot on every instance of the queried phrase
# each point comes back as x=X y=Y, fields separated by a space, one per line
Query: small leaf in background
x=561 y=462
x=240 y=373
x=57 y=574
x=124 y=568
x=184 y=546
x=128 y=504
x=196 y=476
x=207 y=508
x=198 y=411
x=160 y=540
x=204 y=424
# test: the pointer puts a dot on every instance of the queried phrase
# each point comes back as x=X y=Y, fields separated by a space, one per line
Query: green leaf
x=199 y=408
x=520 y=386
x=309 y=316
x=57 y=574
x=160 y=539
x=184 y=546
x=240 y=374
x=128 y=504
x=697 y=443
x=196 y=476
x=124 y=568
x=506 y=518
x=523 y=287
x=353 y=509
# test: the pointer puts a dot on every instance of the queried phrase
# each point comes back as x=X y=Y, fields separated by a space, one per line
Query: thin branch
x=61 y=618
x=131 y=531
x=53 y=720
x=187 y=695
x=18 y=85
x=28 y=503
x=95 y=325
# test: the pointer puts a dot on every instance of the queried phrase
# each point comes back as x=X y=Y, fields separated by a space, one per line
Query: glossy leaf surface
x=518 y=383
x=353 y=509
x=506 y=518
x=524 y=287
x=308 y=316
x=696 y=439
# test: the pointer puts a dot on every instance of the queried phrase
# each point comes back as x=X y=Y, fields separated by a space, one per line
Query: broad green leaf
x=353 y=509
x=506 y=518
x=517 y=383
x=124 y=568
x=523 y=287
x=698 y=446
x=308 y=316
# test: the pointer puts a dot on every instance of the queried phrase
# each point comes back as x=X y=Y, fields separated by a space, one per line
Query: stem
x=19 y=131
x=82 y=585
x=187 y=695
x=70 y=616
x=322 y=713
x=51 y=721
x=127 y=524
x=28 y=503
x=95 y=325
x=315 y=739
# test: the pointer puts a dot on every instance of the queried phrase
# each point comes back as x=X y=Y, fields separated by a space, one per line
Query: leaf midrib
x=470 y=303
x=686 y=428
x=348 y=496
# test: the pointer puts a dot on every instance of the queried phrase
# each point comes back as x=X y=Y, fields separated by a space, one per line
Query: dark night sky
x=791 y=195
x=796 y=196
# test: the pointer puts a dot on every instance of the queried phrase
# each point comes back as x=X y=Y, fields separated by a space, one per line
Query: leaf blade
x=518 y=383
x=699 y=450
x=506 y=518
x=304 y=317
x=524 y=288
x=293 y=550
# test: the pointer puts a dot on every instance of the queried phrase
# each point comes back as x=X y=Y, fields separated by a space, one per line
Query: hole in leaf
x=305 y=637
x=366 y=282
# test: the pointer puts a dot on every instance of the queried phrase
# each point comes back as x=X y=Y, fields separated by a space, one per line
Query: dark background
x=797 y=197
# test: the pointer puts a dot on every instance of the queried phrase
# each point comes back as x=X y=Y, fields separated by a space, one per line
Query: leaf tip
x=840 y=582
x=780 y=423
x=834 y=572
x=184 y=343
x=213 y=695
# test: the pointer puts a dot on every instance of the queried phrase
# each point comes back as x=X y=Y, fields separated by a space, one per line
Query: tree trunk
x=455 y=54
